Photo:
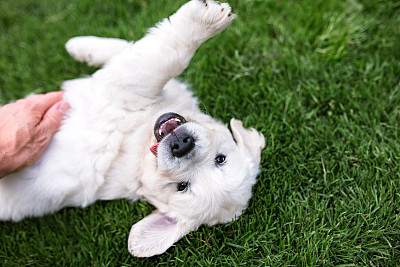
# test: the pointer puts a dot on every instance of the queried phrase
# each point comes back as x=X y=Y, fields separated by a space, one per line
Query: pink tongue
x=153 y=149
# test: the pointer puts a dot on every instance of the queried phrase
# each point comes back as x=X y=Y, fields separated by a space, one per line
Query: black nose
x=181 y=144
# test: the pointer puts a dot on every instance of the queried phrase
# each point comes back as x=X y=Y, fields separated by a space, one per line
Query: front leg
x=144 y=68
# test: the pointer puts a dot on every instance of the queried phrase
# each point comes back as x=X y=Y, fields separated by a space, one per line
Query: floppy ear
x=154 y=234
x=248 y=140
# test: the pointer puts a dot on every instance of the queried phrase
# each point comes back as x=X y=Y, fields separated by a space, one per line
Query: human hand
x=26 y=128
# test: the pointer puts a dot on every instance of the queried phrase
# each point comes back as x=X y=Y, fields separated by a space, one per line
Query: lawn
x=320 y=79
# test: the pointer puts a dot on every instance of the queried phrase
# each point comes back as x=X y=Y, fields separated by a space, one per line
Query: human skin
x=26 y=128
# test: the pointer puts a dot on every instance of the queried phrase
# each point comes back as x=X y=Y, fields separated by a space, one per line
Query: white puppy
x=199 y=173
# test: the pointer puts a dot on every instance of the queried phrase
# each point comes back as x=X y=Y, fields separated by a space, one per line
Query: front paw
x=213 y=17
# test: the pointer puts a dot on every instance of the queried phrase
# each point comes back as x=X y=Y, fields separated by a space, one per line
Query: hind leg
x=95 y=51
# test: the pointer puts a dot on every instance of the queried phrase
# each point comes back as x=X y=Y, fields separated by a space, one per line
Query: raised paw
x=212 y=16
x=218 y=3
x=215 y=14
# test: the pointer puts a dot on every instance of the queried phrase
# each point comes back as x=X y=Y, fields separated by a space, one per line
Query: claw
x=204 y=2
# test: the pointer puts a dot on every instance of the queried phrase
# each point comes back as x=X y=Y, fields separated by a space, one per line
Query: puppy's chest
x=131 y=156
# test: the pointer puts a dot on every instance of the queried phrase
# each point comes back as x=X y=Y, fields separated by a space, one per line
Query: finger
x=52 y=119
x=41 y=103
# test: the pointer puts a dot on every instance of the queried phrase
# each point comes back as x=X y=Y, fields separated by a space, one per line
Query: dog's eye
x=220 y=159
x=182 y=186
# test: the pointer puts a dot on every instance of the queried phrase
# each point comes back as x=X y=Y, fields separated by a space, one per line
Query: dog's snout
x=182 y=144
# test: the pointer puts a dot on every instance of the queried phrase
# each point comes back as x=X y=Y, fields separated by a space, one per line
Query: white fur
x=102 y=149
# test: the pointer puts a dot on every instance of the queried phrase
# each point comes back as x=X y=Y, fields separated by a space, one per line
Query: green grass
x=320 y=79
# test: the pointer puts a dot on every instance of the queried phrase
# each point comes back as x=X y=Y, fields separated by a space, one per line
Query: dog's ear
x=249 y=141
x=154 y=234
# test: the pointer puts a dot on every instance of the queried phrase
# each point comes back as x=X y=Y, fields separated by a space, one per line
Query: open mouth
x=165 y=125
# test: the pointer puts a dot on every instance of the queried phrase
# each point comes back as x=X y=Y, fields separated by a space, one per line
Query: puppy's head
x=202 y=175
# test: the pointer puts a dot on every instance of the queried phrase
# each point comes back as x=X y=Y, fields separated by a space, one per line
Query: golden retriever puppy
x=135 y=132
